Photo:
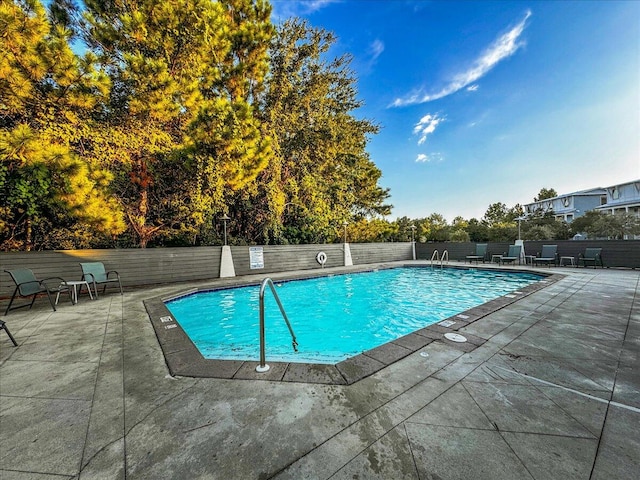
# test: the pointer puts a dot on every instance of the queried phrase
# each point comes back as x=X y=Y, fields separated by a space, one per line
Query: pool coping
x=183 y=358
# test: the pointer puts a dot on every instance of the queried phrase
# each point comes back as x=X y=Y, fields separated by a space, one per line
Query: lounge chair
x=3 y=326
x=28 y=285
x=591 y=256
x=481 y=253
x=514 y=254
x=548 y=255
x=95 y=273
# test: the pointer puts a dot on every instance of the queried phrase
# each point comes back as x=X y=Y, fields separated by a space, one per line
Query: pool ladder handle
x=436 y=257
x=263 y=367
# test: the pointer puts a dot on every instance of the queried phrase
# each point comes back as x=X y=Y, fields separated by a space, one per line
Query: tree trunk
x=28 y=233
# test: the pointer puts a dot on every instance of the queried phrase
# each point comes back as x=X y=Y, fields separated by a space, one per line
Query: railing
x=435 y=257
x=263 y=367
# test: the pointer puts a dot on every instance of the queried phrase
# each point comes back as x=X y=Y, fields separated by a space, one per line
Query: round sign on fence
x=321 y=258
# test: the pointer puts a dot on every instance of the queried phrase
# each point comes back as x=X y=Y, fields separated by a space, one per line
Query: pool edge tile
x=184 y=359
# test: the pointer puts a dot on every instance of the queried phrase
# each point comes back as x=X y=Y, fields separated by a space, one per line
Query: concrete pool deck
x=552 y=391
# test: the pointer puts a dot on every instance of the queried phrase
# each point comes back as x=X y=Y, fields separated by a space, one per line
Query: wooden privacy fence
x=153 y=266
x=615 y=253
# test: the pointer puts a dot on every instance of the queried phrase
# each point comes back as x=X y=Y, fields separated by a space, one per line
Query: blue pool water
x=335 y=317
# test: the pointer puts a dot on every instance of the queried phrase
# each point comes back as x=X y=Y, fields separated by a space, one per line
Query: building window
x=603 y=199
x=614 y=192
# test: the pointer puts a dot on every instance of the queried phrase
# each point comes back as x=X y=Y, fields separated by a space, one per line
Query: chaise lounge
x=514 y=253
x=481 y=253
x=548 y=255
x=591 y=256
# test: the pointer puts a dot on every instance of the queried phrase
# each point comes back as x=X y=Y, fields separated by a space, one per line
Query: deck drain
x=455 y=337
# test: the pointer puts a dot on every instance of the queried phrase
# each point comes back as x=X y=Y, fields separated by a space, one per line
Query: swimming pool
x=336 y=317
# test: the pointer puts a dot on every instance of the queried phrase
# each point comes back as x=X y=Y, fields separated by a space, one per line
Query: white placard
x=447 y=323
x=256 y=257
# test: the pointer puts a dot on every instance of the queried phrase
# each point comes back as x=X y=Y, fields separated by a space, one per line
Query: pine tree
x=185 y=74
x=321 y=175
x=47 y=93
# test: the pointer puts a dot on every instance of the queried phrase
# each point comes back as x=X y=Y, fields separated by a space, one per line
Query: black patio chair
x=3 y=326
x=27 y=285
x=95 y=273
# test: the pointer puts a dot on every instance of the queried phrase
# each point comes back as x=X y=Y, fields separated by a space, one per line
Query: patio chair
x=481 y=253
x=95 y=273
x=591 y=256
x=28 y=285
x=548 y=255
x=3 y=326
x=513 y=254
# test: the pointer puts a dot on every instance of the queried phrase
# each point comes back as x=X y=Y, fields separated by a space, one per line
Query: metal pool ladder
x=436 y=257
x=263 y=367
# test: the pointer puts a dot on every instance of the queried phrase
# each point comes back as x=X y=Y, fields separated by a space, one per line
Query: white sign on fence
x=256 y=257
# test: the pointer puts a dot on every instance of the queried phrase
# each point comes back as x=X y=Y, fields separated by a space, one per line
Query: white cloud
x=426 y=126
x=431 y=158
x=375 y=49
x=503 y=47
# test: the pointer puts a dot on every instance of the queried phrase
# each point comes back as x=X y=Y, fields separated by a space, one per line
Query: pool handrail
x=263 y=367
x=435 y=256
x=445 y=257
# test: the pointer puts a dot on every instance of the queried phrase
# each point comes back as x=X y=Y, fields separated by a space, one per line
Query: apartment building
x=621 y=198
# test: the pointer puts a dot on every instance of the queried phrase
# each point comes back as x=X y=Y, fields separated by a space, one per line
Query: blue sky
x=483 y=102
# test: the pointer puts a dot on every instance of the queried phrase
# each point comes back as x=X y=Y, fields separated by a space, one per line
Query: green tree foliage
x=47 y=93
x=545 y=193
x=186 y=74
x=321 y=174
x=403 y=230
x=602 y=225
x=179 y=111
x=496 y=213
x=459 y=227
x=478 y=230
x=544 y=226
x=183 y=110
x=373 y=230
x=434 y=228
x=459 y=235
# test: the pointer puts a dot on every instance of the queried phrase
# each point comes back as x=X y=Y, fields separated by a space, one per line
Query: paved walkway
x=553 y=393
